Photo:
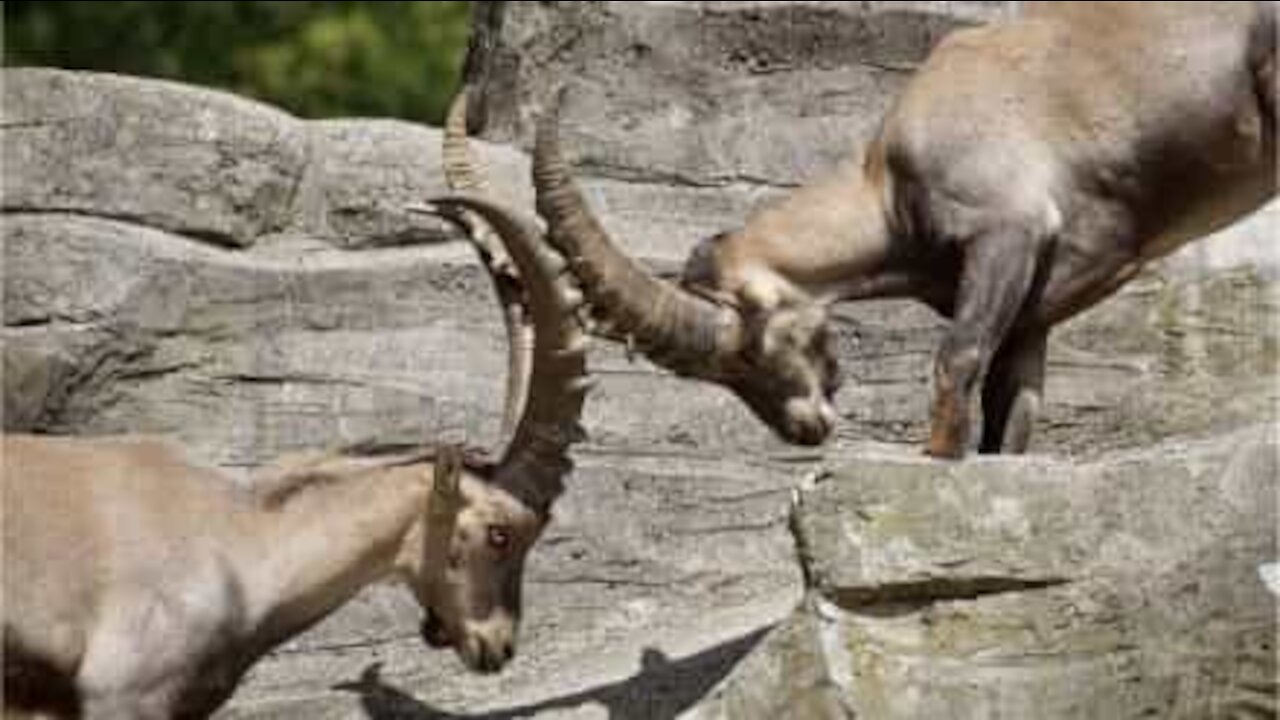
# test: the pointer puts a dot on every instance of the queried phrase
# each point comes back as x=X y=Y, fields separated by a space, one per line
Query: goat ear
x=446 y=477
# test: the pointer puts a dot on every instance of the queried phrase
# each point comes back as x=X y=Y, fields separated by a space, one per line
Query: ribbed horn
x=683 y=332
x=463 y=175
x=535 y=461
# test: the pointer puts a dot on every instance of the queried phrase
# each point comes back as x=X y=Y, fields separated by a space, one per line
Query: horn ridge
x=535 y=460
x=462 y=174
x=684 y=332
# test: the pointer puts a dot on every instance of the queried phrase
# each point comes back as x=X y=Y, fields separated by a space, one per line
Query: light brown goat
x=1028 y=170
x=141 y=585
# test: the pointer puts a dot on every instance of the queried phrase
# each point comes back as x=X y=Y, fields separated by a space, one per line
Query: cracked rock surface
x=1126 y=586
x=182 y=262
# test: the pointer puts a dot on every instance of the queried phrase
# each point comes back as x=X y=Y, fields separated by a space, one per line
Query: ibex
x=1027 y=171
x=141 y=585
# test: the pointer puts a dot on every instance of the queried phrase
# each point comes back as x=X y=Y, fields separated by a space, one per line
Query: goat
x=1028 y=170
x=139 y=584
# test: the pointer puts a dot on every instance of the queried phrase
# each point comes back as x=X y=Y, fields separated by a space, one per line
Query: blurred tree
x=316 y=59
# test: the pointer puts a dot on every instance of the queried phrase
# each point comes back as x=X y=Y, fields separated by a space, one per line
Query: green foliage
x=316 y=59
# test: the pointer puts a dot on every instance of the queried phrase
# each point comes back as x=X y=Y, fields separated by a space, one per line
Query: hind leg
x=1013 y=392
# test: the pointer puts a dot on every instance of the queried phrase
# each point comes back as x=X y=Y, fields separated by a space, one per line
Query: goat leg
x=999 y=267
x=1012 y=392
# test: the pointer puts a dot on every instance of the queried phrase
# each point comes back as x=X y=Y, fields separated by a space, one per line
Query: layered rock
x=1129 y=586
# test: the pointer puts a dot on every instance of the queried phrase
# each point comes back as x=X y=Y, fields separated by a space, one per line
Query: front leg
x=999 y=267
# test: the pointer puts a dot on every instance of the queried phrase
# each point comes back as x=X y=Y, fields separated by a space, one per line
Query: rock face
x=1123 y=587
x=183 y=262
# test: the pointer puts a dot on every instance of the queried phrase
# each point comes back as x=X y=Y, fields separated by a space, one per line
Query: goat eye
x=499 y=537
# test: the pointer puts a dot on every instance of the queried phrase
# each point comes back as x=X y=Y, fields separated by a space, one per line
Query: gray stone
x=242 y=358
x=704 y=92
x=786 y=677
x=204 y=164
x=212 y=166
x=364 y=173
x=1033 y=587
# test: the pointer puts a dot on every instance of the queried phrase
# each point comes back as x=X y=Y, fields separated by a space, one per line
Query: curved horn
x=683 y=332
x=463 y=175
x=460 y=169
x=534 y=464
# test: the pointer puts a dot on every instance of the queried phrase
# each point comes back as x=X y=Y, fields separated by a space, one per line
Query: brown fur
x=1027 y=171
x=146 y=584
x=141 y=585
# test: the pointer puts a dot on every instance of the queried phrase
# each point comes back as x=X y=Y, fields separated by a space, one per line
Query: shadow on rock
x=661 y=689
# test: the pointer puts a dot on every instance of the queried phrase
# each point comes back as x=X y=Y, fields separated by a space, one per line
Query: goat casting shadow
x=660 y=690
